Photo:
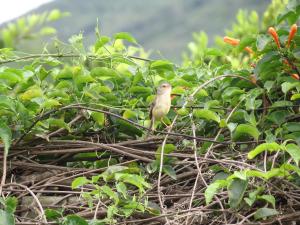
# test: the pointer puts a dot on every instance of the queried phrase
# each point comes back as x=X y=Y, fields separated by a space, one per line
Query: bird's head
x=164 y=88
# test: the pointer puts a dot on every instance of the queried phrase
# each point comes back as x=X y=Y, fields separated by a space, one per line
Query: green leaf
x=5 y=135
x=214 y=52
x=129 y=114
x=169 y=148
x=52 y=214
x=295 y=96
x=236 y=191
x=268 y=198
x=266 y=66
x=50 y=104
x=183 y=112
x=161 y=65
x=278 y=117
x=223 y=123
x=290 y=167
x=252 y=196
x=99 y=222
x=294 y=151
x=83 y=79
x=79 y=181
x=246 y=129
x=206 y=114
x=110 y=193
x=111 y=211
x=110 y=171
x=140 y=89
x=55 y=14
x=10 y=77
x=104 y=73
x=268 y=85
x=231 y=92
x=60 y=123
x=31 y=93
x=264 y=147
x=169 y=170
x=274 y=172
x=7 y=103
x=262 y=41
x=287 y=86
x=98 y=117
x=47 y=31
x=212 y=189
x=242 y=175
x=292 y=126
x=11 y=204
x=74 y=220
x=6 y=218
x=125 y=36
x=202 y=93
x=282 y=104
x=264 y=212
x=101 y=42
x=121 y=188
x=133 y=179
x=128 y=128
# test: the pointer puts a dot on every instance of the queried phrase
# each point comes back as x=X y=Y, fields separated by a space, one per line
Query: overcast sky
x=11 y=9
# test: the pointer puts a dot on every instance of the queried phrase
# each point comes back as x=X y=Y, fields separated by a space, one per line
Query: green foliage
x=113 y=184
x=110 y=86
x=262 y=213
x=32 y=26
x=8 y=206
x=5 y=135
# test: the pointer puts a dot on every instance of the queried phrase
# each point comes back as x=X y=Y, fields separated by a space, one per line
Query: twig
x=60 y=55
x=43 y=216
x=4 y=168
x=80 y=106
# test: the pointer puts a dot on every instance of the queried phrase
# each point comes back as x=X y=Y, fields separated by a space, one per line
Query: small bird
x=161 y=104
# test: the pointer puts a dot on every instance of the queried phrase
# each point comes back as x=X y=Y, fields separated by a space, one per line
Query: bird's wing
x=151 y=107
x=150 y=116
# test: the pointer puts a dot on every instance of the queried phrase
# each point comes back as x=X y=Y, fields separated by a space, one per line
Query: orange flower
x=274 y=34
x=249 y=50
x=295 y=76
x=293 y=31
x=231 y=41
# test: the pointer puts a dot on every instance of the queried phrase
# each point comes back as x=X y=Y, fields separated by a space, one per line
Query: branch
x=60 y=55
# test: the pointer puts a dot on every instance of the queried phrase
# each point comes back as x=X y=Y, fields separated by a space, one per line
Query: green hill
x=165 y=25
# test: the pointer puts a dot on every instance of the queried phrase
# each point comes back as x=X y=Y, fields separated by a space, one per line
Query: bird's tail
x=151 y=127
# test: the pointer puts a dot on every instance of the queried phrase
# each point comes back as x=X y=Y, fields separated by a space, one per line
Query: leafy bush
x=235 y=104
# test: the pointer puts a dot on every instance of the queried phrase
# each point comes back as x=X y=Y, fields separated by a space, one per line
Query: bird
x=161 y=104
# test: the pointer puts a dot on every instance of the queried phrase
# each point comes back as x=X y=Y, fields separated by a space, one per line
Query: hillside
x=165 y=25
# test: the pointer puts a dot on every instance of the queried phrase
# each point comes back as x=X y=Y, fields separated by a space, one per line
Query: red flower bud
x=295 y=76
x=249 y=50
x=292 y=33
x=274 y=34
x=231 y=41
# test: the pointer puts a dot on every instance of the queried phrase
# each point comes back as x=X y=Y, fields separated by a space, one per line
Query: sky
x=11 y=9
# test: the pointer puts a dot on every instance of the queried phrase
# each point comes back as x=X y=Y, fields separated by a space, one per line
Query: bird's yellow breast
x=161 y=107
